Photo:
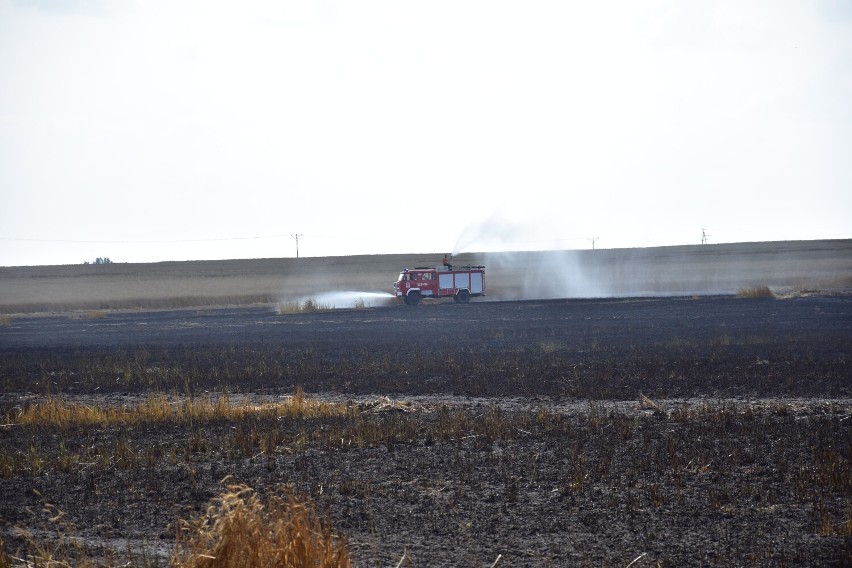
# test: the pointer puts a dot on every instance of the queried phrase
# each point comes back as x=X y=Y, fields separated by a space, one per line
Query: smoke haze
x=528 y=260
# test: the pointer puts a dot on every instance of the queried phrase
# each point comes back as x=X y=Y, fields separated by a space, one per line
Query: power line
x=129 y=242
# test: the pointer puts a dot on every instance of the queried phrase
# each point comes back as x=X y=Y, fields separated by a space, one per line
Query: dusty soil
x=511 y=429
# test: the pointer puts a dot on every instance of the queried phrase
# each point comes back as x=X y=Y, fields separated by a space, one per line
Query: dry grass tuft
x=89 y=314
x=755 y=292
x=5 y=321
x=240 y=529
x=5 y=561
x=57 y=544
x=308 y=306
x=646 y=403
x=551 y=346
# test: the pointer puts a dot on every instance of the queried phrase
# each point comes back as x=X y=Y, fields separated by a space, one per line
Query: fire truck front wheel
x=462 y=297
x=413 y=298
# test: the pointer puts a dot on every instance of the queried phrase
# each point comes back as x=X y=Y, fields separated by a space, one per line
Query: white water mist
x=350 y=299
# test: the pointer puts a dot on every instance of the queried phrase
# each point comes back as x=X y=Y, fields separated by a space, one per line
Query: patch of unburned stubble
x=347 y=299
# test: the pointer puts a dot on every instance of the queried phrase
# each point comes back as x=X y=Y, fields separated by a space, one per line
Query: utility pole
x=704 y=236
x=296 y=236
x=593 y=239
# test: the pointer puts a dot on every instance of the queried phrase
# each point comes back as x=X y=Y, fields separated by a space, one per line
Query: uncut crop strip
x=159 y=409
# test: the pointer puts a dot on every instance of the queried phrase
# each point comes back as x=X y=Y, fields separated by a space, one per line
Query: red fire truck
x=443 y=282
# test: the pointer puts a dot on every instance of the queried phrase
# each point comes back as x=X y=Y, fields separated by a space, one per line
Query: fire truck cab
x=443 y=282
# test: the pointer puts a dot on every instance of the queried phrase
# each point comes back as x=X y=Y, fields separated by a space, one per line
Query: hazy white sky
x=168 y=130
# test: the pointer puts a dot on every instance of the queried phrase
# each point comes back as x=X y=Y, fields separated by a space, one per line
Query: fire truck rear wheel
x=462 y=296
x=413 y=298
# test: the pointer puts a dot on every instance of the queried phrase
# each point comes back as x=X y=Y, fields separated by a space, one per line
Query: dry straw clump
x=240 y=529
x=755 y=292
x=5 y=560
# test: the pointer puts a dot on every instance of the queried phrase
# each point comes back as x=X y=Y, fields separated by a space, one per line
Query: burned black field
x=684 y=431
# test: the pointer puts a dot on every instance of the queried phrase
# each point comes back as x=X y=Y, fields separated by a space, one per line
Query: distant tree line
x=99 y=260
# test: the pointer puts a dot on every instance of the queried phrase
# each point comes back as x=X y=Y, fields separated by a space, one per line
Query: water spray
x=350 y=299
